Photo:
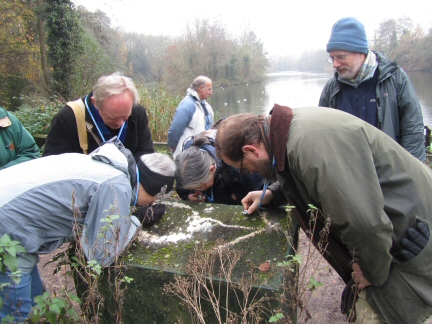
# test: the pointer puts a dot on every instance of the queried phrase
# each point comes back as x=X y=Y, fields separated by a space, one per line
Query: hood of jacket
x=116 y=155
x=3 y=112
x=385 y=66
x=191 y=92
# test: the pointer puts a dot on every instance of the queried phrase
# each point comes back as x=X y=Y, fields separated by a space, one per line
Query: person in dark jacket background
x=202 y=177
x=368 y=85
x=111 y=109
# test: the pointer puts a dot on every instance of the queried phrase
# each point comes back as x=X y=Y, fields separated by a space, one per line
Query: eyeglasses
x=339 y=58
x=243 y=170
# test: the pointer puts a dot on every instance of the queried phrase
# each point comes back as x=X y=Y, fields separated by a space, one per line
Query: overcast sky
x=283 y=26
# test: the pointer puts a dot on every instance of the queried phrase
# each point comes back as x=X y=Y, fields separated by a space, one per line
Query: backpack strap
x=79 y=111
x=89 y=127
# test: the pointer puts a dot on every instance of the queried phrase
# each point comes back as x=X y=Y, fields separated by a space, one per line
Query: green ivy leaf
x=276 y=318
x=75 y=298
x=52 y=318
x=297 y=258
x=127 y=279
x=73 y=313
x=20 y=249
x=5 y=240
x=55 y=309
x=11 y=250
x=313 y=284
x=8 y=319
x=11 y=262
x=39 y=299
x=16 y=276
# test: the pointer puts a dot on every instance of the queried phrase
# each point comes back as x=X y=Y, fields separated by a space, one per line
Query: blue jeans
x=18 y=299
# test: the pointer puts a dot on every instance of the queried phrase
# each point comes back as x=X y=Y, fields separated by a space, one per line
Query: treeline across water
x=50 y=48
x=52 y=52
x=401 y=40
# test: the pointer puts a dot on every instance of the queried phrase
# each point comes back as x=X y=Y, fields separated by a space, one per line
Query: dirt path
x=324 y=305
x=55 y=282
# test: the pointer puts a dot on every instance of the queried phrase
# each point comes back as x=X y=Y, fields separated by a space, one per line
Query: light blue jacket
x=189 y=120
x=38 y=199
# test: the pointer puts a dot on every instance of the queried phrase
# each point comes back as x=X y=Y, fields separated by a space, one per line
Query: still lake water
x=297 y=89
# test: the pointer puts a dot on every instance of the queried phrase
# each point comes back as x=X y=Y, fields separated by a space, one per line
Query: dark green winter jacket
x=371 y=190
x=399 y=112
x=16 y=143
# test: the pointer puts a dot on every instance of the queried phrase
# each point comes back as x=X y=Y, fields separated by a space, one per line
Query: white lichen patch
x=194 y=224
x=164 y=239
x=177 y=204
x=198 y=224
x=198 y=221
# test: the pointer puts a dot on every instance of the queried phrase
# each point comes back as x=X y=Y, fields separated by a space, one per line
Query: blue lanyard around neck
x=96 y=124
x=206 y=114
x=137 y=187
x=211 y=198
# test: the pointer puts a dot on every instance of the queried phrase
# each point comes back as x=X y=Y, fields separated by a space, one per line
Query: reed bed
x=160 y=105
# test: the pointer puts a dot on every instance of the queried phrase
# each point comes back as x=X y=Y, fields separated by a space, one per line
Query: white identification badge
x=5 y=122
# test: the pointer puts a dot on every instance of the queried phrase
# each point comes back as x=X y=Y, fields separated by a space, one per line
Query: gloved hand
x=415 y=241
x=148 y=215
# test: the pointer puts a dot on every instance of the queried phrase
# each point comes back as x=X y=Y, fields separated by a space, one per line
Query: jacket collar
x=386 y=67
x=281 y=118
x=111 y=154
x=191 y=92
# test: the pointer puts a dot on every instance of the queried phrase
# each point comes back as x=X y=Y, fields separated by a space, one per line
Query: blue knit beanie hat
x=348 y=34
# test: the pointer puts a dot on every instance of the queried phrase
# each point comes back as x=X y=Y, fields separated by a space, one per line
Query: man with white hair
x=111 y=109
x=193 y=115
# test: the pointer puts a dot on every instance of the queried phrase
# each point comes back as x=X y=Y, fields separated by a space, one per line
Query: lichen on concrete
x=168 y=244
x=162 y=250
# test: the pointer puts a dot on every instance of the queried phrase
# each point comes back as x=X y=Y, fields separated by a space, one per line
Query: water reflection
x=422 y=83
x=297 y=89
x=239 y=99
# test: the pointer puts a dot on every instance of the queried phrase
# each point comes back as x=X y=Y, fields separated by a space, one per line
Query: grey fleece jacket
x=38 y=199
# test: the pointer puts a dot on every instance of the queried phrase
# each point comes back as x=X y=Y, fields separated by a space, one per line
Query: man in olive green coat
x=375 y=194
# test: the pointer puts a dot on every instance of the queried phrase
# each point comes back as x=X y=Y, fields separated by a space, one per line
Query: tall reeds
x=160 y=106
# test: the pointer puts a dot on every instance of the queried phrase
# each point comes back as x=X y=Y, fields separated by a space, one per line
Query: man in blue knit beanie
x=368 y=85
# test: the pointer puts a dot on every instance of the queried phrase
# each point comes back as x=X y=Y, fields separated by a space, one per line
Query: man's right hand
x=253 y=199
x=358 y=277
